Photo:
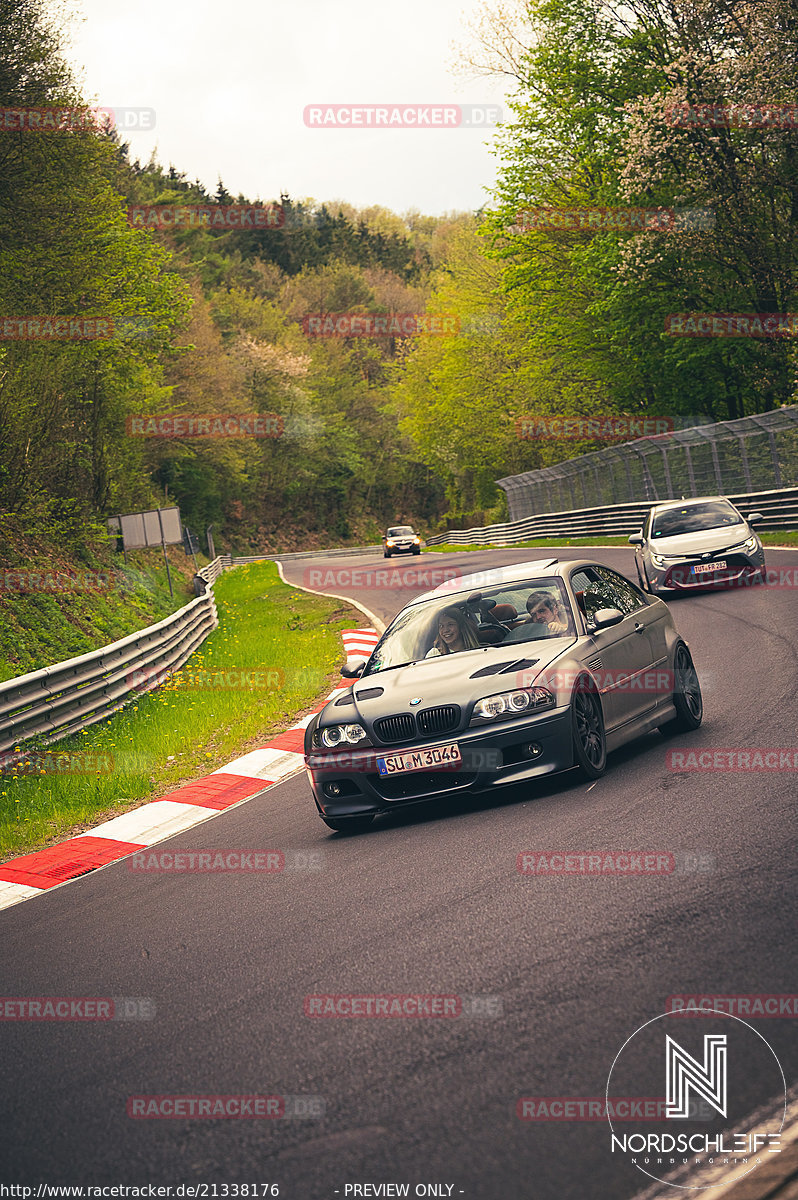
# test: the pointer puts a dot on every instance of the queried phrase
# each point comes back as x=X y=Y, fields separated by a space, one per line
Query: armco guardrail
x=62 y=699
x=72 y=695
x=240 y=559
x=779 y=508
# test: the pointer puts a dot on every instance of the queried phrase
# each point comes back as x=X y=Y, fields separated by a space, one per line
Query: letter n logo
x=683 y=1072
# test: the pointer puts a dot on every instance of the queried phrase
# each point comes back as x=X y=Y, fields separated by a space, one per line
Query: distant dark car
x=690 y=544
x=498 y=679
x=401 y=539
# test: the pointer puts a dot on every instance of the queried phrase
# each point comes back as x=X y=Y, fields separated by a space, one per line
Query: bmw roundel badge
x=415 y=700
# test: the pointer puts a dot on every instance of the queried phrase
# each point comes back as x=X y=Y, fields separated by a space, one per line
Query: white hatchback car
x=690 y=544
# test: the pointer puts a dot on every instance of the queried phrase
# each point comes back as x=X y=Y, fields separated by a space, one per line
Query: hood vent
x=369 y=693
x=348 y=698
x=517 y=664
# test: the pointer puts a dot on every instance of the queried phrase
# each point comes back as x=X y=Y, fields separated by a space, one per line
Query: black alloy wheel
x=687 y=699
x=587 y=723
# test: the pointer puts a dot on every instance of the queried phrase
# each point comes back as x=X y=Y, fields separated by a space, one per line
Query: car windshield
x=508 y=616
x=692 y=518
x=400 y=531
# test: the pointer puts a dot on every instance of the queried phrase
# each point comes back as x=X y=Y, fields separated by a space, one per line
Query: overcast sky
x=230 y=81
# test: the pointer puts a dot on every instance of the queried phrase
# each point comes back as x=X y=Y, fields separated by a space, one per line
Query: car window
x=599 y=587
x=628 y=598
x=462 y=623
x=692 y=518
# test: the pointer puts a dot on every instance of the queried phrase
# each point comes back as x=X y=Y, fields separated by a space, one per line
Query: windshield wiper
x=393 y=667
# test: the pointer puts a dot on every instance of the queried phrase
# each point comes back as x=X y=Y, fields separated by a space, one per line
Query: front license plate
x=704 y=568
x=421 y=760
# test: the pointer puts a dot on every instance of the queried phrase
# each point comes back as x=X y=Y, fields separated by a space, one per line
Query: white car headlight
x=747 y=547
x=336 y=735
x=658 y=560
x=512 y=704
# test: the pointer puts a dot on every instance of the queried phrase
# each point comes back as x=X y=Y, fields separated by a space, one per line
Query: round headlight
x=332 y=736
x=354 y=733
x=519 y=701
x=494 y=706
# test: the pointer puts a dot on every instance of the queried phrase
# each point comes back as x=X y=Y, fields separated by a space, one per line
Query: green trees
x=67 y=251
x=194 y=321
x=553 y=317
x=583 y=301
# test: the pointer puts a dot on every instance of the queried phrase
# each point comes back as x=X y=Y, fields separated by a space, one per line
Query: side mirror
x=754 y=518
x=636 y=539
x=353 y=668
x=606 y=617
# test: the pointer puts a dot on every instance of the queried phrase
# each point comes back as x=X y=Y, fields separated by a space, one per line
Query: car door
x=625 y=653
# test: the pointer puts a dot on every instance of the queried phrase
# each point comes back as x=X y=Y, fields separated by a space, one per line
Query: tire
x=386 y=554
x=417 y=551
x=587 y=727
x=687 y=699
x=348 y=824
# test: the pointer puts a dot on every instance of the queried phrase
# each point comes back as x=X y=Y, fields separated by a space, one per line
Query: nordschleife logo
x=723 y=1093
x=683 y=1075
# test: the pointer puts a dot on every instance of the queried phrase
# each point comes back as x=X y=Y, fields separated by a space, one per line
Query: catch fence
x=752 y=454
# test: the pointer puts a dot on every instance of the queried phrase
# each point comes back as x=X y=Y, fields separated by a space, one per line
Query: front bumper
x=741 y=569
x=493 y=756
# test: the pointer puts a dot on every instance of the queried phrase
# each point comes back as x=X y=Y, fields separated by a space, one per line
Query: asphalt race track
x=428 y=902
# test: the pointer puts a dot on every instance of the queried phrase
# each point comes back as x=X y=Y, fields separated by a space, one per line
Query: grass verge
x=53 y=607
x=273 y=654
x=771 y=537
